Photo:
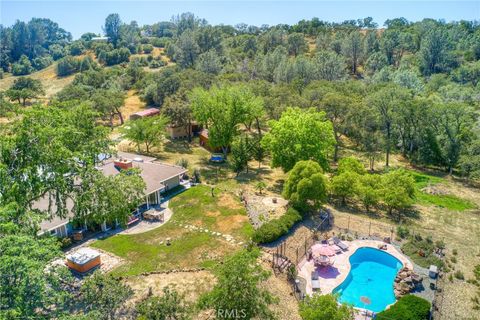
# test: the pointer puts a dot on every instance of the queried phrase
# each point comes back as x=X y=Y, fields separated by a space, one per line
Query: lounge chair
x=315 y=281
x=340 y=244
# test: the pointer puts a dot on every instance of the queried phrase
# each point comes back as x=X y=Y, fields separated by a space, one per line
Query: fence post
x=348 y=225
x=369 y=228
x=297 y=256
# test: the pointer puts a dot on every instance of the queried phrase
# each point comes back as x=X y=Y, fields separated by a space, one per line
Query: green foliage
x=306 y=186
x=22 y=67
x=104 y=294
x=112 y=27
x=241 y=153
x=25 y=88
x=67 y=66
x=25 y=287
x=299 y=135
x=409 y=307
x=403 y=231
x=368 y=190
x=274 y=229
x=351 y=164
x=148 y=131
x=421 y=251
x=222 y=110
x=398 y=192
x=324 y=307
x=169 y=306
x=343 y=185
x=238 y=289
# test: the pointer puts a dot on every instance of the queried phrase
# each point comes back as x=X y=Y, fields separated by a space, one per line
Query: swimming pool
x=371 y=275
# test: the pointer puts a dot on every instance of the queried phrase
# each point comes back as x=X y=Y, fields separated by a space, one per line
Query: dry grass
x=48 y=76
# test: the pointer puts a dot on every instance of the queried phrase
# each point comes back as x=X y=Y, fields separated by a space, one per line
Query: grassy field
x=443 y=199
x=147 y=251
x=48 y=76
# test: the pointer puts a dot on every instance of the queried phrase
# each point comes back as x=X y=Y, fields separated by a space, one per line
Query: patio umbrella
x=323 y=250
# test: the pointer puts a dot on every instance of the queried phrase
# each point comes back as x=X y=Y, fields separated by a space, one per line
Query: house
x=182 y=132
x=158 y=178
x=99 y=39
x=150 y=112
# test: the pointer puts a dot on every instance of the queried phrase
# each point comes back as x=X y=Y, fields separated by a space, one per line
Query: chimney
x=123 y=164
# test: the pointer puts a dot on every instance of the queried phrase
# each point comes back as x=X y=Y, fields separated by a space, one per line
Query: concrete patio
x=331 y=277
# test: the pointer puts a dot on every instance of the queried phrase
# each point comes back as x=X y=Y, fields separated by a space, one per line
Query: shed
x=144 y=113
x=83 y=260
x=204 y=141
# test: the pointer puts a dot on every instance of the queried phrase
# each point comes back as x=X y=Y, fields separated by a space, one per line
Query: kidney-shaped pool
x=369 y=284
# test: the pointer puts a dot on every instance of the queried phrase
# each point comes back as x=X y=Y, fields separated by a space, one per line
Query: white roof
x=83 y=255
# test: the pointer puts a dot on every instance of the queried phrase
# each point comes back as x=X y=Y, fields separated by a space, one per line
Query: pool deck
x=331 y=277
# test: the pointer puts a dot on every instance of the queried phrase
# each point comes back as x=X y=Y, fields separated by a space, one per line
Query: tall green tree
x=385 y=101
x=104 y=294
x=148 y=131
x=299 y=135
x=29 y=287
x=222 y=110
x=25 y=88
x=324 y=307
x=112 y=27
x=238 y=292
x=306 y=186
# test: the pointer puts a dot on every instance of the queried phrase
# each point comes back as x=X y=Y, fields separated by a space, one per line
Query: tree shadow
x=178 y=146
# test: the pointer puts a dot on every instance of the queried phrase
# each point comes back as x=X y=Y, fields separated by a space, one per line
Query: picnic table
x=154 y=215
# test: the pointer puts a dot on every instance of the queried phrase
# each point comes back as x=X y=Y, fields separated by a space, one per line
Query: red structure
x=144 y=113
x=123 y=164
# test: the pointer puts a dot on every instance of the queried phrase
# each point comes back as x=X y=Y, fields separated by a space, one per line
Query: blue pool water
x=371 y=275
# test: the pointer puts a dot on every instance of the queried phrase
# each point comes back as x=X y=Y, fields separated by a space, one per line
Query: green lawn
x=145 y=252
x=447 y=201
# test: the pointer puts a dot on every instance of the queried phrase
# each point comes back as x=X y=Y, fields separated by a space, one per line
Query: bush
x=160 y=42
x=76 y=48
x=403 y=232
x=22 y=67
x=459 y=275
x=67 y=66
x=408 y=307
x=274 y=229
x=147 y=48
x=42 y=62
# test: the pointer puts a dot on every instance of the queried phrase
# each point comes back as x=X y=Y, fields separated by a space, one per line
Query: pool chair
x=340 y=244
x=315 y=281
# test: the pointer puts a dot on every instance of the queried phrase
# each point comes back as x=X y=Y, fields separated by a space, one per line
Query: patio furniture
x=154 y=215
x=339 y=243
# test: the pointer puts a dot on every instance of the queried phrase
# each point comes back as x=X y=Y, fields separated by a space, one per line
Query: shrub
x=454 y=252
x=408 y=307
x=459 y=275
x=22 y=67
x=159 y=42
x=403 y=232
x=76 y=48
x=274 y=229
x=42 y=62
x=67 y=66
x=147 y=48
x=182 y=163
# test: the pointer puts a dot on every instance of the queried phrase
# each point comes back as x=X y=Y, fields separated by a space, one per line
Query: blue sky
x=79 y=17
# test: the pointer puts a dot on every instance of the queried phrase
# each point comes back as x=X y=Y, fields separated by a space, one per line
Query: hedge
x=408 y=307
x=274 y=229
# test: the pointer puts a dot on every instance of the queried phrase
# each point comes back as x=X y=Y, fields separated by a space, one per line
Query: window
x=53 y=232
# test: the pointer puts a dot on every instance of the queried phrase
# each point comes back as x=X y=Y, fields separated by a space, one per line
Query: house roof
x=146 y=112
x=153 y=174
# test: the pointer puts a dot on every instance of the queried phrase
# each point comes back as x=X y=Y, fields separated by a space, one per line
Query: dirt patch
x=227 y=200
x=287 y=307
x=190 y=284
x=228 y=224
x=213 y=213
